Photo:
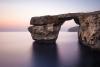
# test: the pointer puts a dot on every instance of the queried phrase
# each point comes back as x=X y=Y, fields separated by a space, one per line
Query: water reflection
x=44 y=55
x=19 y=52
x=89 y=57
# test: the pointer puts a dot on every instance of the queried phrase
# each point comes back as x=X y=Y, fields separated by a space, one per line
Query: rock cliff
x=46 y=28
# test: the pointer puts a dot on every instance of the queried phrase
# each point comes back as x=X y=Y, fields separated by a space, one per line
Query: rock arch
x=46 y=28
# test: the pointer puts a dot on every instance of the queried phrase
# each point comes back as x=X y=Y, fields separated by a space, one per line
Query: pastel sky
x=16 y=14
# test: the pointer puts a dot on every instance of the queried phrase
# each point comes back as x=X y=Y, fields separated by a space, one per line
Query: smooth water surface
x=17 y=49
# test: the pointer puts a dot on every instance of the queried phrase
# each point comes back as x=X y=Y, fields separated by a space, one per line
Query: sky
x=16 y=14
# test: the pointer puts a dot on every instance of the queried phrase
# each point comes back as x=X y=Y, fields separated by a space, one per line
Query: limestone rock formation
x=89 y=31
x=46 y=28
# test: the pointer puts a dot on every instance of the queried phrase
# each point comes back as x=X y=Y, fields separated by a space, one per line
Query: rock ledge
x=46 y=28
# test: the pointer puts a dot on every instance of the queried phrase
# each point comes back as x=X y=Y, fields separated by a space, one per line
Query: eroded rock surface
x=46 y=28
x=89 y=31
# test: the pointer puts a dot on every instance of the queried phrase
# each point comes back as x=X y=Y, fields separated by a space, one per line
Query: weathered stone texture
x=47 y=27
x=44 y=28
x=89 y=31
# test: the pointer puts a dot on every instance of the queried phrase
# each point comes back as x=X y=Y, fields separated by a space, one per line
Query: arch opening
x=69 y=26
x=68 y=30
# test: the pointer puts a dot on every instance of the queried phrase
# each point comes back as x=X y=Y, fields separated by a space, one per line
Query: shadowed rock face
x=46 y=28
x=89 y=31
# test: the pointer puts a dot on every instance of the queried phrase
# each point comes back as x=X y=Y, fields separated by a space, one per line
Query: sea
x=17 y=49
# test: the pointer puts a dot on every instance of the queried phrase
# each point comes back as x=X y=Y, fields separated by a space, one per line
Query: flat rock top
x=59 y=19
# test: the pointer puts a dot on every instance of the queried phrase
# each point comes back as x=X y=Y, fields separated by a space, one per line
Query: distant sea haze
x=14 y=30
x=68 y=26
x=73 y=29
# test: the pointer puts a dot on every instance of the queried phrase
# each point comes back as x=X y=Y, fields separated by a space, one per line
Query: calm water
x=17 y=49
